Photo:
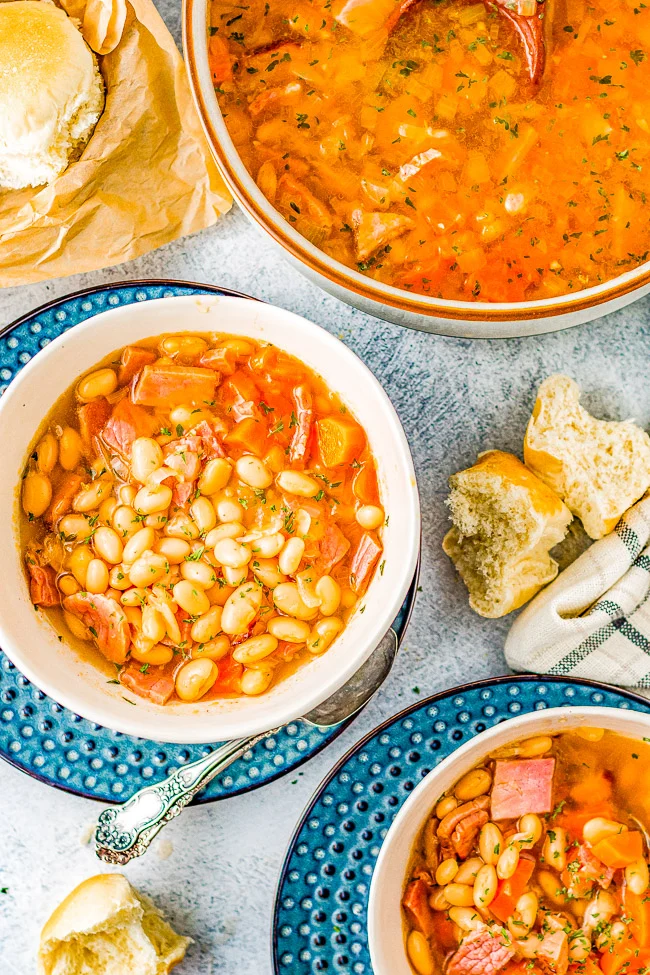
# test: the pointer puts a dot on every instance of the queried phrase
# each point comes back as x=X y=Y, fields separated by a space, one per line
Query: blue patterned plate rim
x=290 y=863
x=103 y=749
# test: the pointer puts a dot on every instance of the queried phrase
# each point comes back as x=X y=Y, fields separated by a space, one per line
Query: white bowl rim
x=195 y=27
x=131 y=723
x=476 y=747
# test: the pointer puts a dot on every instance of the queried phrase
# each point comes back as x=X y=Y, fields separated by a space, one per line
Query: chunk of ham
x=280 y=95
x=104 y=617
x=162 y=385
x=522 y=786
x=183 y=457
x=42 y=585
x=375 y=230
x=92 y=417
x=304 y=415
x=209 y=434
x=63 y=496
x=153 y=684
x=459 y=829
x=553 y=953
x=482 y=952
x=223 y=361
x=550 y=952
x=590 y=871
x=182 y=492
x=363 y=562
x=416 y=906
x=133 y=360
x=333 y=547
x=126 y=424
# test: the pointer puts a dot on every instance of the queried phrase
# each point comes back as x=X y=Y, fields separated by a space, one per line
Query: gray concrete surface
x=216 y=869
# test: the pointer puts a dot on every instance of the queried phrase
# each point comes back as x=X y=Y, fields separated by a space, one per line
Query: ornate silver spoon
x=125 y=831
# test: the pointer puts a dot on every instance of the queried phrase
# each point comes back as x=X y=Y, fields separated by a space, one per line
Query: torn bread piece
x=105 y=927
x=599 y=468
x=505 y=522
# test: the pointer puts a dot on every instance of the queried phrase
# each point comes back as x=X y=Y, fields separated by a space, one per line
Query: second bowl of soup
x=204 y=517
x=525 y=853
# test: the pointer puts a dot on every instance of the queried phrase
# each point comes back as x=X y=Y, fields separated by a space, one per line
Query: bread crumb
x=164 y=849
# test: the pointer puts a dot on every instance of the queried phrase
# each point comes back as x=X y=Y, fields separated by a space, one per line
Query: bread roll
x=105 y=927
x=51 y=93
x=598 y=467
x=505 y=522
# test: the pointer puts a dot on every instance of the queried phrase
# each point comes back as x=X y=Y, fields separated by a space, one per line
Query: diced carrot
x=619 y=850
x=444 y=931
x=340 y=440
x=249 y=434
x=363 y=561
x=364 y=484
x=229 y=677
x=133 y=360
x=163 y=385
x=637 y=908
x=62 y=498
x=625 y=958
x=573 y=820
x=238 y=388
x=126 y=424
x=586 y=967
x=308 y=204
x=92 y=417
x=509 y=891
x=219 y=59
x=592 y=788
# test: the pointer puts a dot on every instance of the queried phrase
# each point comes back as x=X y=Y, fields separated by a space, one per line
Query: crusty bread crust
x=505 y=522
x=598 y=467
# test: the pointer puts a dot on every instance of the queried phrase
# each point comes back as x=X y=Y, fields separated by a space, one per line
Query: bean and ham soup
x=204 y=515
x=492 y=151
x=536 y=863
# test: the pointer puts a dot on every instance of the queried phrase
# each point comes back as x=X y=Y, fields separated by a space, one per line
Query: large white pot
x=470 y=319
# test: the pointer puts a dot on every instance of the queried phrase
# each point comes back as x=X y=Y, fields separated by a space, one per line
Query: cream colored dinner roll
x=505 y=522
x=105 y=927
x=598 y=467
x=51 y=93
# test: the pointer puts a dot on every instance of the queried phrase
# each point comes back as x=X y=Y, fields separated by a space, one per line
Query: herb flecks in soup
x=536 y=863
x=469 y=151
x=205 y=514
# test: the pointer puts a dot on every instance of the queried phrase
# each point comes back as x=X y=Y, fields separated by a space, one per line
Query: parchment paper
x=145 y=178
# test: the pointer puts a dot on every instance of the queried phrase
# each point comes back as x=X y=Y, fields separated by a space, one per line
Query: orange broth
x=416 y=149
x=200 y=407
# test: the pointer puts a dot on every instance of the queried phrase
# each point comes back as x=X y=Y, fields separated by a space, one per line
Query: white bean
x=152 y=498
x=268 y=572
x=208 y=626
x=255 y=648
x=138 y=544
x=108 y=545
x=287 y=599
x=203 y=513
x=181 y=526
x=295 y=482
x=370 y=516
x=96 y=576
x=323 y=634
x=291 y=556
x=241 y=608
x=267 y=546
x=254 y=682
x=329 y=593
x=191 y=599
x=215 y=476
x=289 y=630
x=254 y=472
x=230 y=552
x=199 y=573
x=146 y=457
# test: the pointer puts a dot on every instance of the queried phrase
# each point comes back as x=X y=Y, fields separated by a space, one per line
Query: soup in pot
x=492 y=151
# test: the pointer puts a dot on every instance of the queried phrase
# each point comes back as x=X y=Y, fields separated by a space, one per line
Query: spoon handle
x=124 y=832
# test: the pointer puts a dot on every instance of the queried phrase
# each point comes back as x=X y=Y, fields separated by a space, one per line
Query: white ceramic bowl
x=27 y=637
x=385 y=925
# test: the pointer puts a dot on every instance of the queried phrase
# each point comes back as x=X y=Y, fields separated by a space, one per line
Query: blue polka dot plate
x=320 y=920
x=49 y=742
